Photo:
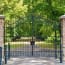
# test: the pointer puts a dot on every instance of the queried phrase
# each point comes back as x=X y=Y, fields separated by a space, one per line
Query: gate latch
x=32 y=42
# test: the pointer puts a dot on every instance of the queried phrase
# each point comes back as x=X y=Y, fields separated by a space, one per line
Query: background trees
x=19 y=15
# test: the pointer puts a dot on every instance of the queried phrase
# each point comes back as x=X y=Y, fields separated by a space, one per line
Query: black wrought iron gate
x=34 y=41
x=33 y=36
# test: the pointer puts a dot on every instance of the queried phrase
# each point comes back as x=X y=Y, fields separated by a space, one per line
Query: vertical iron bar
x=5 y=47
x=55 y=45
x=8 y=50
x=32 y=50
x=61 y=52
x=32 y=34
x=0 y=55
x=5 y=54
x=55 y=39
x=32 y=27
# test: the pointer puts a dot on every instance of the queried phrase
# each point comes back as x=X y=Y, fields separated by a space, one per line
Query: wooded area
x=44 y=14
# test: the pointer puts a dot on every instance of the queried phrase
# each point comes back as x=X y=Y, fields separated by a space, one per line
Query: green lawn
x=17 y=45
x=42 y=45
x=45 y=45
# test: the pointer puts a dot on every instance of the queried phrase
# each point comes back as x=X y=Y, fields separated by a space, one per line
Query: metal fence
x=32 y=39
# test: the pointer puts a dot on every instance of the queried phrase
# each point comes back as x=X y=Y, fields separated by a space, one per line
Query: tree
x=40 y=12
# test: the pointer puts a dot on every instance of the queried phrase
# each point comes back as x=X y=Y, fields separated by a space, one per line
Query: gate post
x=62 y=18
x=1 y=39
x=8 y=50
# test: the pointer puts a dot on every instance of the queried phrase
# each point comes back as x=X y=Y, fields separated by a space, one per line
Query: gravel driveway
x=33 y=61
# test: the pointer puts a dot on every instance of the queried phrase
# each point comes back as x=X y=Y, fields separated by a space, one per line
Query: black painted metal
x=32 y=42
x=5 y=53
x=55 y=43
x=29 y=47
x=61 y=53
x=61 y=50
x=32 y=49
x=18 y=46
x=32 y=45
x=0 y=55
x=8 y=50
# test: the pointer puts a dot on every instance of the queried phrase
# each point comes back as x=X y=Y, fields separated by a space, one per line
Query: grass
x=17 y=45
x=45 y=45
x=41 y=45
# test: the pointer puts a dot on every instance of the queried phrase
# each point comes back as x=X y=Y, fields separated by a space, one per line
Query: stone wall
x=1 y=38
x=62 y=19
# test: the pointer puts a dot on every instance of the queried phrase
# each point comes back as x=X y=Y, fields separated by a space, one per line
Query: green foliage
x=46 y=30
x=19 y=14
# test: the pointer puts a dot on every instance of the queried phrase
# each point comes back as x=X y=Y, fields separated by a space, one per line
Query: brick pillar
x=62 y=18
x=1 y=38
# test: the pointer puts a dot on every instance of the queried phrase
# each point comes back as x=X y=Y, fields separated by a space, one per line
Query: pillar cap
x=62 y=17
x=2 y=16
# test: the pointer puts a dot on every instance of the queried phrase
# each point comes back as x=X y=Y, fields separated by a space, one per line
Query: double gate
x=32 y=39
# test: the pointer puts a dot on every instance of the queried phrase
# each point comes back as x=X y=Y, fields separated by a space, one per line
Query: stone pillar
x=62 y=18
x=1 y=38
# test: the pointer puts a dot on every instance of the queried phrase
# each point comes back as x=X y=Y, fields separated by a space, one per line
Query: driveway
x=34 y=61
